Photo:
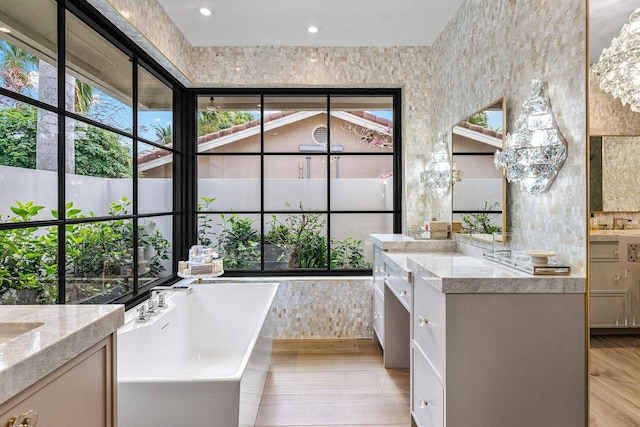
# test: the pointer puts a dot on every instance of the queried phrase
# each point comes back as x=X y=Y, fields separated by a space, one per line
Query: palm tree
x=83 y=97
x=164 y=135
x=15 y=67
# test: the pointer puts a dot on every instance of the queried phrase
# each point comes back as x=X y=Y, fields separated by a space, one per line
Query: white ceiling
x=606 y=18
x=285 y=22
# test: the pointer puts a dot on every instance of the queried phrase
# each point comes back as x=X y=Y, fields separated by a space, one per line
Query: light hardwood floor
x=615 y=381
x=333 y=383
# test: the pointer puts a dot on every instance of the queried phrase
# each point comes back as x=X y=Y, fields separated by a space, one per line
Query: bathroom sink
x=10 y=330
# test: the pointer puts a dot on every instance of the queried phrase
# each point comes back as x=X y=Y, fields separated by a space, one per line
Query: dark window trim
x=394 y=92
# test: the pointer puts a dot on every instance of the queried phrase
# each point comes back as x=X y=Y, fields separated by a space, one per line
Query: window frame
x=138 y=58
x=329 y=92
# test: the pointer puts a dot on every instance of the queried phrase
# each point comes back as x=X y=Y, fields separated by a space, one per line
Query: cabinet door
x=608 y=309
x=378 y=315
x=427 y=394
x=79 y=393
x=378 y=269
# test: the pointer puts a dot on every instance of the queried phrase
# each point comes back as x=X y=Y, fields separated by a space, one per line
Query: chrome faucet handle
x=162 y=302
x=143 y=315
x=153 y=305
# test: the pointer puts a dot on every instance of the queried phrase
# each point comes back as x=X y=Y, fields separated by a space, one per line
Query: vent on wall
x=320 y=135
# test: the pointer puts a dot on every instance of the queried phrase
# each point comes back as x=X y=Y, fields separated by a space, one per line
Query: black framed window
x=293 y=181
x=86 y=216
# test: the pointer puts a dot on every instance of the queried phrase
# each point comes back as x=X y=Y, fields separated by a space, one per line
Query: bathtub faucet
x=175 y=288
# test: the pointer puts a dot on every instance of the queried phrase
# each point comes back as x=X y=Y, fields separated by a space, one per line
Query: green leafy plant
x=300 y=237
x=239 y=242
x=348 y=254
x=205 y=222
x=29 y=259
x=481 y=222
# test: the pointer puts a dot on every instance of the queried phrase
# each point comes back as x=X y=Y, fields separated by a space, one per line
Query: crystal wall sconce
x=437 y=174
x=535 y=150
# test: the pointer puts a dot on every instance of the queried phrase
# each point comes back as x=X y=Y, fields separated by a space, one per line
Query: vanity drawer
x=398 y=281
x=429 y=323
x=378 y=315
x=427 y=394
x=607 y=275
x=599 y=250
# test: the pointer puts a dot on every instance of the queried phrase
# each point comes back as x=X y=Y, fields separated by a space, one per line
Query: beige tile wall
x=492 y=48
x=607 y=115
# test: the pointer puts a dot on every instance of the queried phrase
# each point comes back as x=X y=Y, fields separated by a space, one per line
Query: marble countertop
x=610 y=235
x=66 y=332
x=460 y=273
x=402 y=243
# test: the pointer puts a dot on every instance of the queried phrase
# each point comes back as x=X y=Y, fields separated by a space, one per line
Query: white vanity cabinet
x=614 y=294
x=390 y=276
x=378 y=294
x=63 y=369
x=491 y=347
x=81 y=392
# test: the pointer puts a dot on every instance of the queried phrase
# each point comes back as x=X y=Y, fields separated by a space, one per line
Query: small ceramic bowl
x=539 y=257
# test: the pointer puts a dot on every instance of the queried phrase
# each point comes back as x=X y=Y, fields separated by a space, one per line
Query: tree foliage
x=213 y=121
x=480 y=119
x=97 y=152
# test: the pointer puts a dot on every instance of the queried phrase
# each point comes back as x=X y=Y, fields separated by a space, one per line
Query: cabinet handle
x=27 y=419
x=616 y=277
x=616 y=251
x=377 y=315
x=422 y=320
x=424 y=403
x=404 y=292
x=377 y=270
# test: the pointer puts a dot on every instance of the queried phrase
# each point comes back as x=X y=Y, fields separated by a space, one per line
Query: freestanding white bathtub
x=202 y=361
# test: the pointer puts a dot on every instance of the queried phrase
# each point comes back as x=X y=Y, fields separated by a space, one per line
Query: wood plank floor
x=333 y=383
x=615 y=381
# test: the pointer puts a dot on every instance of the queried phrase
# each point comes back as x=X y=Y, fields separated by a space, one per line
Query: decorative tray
x=523 y=263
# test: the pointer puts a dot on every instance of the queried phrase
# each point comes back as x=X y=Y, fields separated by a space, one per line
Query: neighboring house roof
x=158 y=156
x=479 y=133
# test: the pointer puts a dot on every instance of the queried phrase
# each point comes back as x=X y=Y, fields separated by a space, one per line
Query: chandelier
x=618 y=69
x=534 y=151
x=437 y=174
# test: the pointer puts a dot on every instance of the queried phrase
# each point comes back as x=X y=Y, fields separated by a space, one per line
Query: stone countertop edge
x=460 y=274
x=402 y=243
x=68 y=330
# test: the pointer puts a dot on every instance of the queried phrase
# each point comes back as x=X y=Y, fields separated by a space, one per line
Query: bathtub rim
x=131 y=325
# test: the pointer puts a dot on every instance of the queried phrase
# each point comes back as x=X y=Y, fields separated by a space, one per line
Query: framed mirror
x=479 y=189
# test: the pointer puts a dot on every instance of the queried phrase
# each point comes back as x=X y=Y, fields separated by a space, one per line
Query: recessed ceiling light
x=4 y=30
x=313 y=29
x=205 y=11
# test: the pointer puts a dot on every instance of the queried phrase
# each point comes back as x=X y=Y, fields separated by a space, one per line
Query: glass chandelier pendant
x=618 y=70
x=437 y=174
x=535 y=150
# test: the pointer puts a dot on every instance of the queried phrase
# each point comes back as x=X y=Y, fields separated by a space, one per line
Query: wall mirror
x=614 y=173
x=479 y=197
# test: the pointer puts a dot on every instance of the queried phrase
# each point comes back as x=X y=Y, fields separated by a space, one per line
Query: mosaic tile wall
x=607 y=115
x=492 y=48
x=406 y=67
x=620 y=165
x=147 y=24
x=323 y=308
